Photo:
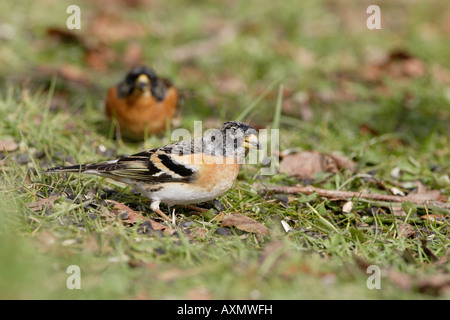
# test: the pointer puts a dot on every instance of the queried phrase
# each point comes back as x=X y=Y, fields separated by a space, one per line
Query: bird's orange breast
x=140 y=114
x=212 y=173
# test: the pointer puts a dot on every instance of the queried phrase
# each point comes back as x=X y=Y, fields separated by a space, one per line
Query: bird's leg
x=155 y=207
x=171 y=213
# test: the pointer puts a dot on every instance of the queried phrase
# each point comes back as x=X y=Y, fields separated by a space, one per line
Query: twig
x=347 y=195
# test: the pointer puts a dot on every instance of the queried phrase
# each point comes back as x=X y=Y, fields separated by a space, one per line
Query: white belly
x=177 y=193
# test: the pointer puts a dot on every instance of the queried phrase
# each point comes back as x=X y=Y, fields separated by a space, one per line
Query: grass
x=307 y=54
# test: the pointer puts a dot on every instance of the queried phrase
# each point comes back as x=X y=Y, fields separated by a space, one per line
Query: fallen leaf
x=128 y=215
x=305 y=164
x=40 y=204
x=98 y=58
x=366 y=129
x=64 y=35
x=8 y=145
x=435 y=284
x=343 y=162
x=398 y=64
x=106 y=27
x=132 y=217
x=422 y=194
x=243 y=223
x=405 y=229
x=73 y=74
x=402 y=280
x=199 y=232
x=433 y=217
x=398 y=211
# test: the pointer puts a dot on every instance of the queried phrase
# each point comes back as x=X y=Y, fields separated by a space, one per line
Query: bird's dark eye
x=213 y=138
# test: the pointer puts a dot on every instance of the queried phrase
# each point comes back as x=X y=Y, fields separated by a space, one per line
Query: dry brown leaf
x=398 y=64
x=343 y=162
x=8 y=145
x=42 y=203
x=98 y=58
x=120 y=208
x=434 y=217
x=133 y=217
x=199 y=232
x=73 y=74
x=106 y=27
x=434 y=284
x=402 y=280
x=405 y=229
x=63 y=35
x=243 y=223
x=305 y=164
x=422 y=194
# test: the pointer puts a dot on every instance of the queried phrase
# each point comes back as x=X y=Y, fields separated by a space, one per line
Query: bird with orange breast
x=142 y=104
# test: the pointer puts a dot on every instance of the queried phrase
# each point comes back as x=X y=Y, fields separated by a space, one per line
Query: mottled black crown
x=237 y=125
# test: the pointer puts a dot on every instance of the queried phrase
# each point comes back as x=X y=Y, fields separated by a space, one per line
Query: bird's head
x=138 y=80
x=241 y=133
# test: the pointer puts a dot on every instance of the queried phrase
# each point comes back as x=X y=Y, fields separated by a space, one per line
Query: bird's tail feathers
x=75 y=168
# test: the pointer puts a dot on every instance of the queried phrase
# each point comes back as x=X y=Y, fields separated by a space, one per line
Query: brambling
x=181 y=173
x=142 y=104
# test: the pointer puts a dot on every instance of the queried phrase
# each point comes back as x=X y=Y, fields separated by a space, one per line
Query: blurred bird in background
x=142 y=104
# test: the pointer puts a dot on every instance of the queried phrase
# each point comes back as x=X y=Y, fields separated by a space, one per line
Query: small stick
x=195 y=208
x=347 y=195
